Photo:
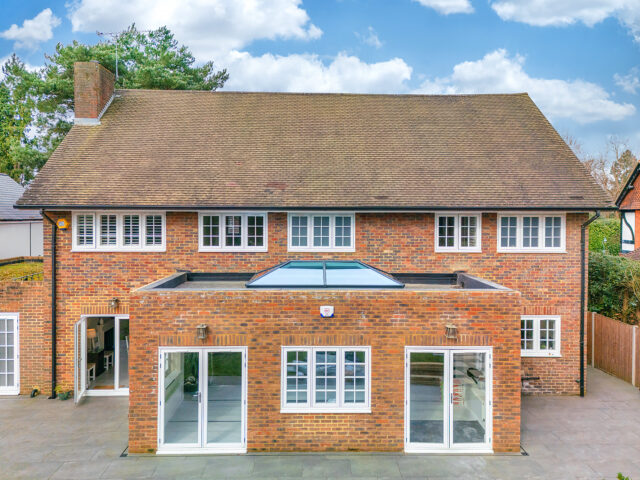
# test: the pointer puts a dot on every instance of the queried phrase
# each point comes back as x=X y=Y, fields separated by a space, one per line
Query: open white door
x=80 y=360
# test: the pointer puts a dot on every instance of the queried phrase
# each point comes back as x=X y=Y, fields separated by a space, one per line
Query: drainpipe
x=54 y=231
x=583 y=289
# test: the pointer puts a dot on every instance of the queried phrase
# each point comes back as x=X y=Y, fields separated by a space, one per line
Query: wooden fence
x=614 y=347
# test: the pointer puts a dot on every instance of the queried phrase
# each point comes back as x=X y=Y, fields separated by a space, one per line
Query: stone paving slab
x=591 y=438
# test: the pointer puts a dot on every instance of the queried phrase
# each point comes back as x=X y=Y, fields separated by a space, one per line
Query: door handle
x=199 y=396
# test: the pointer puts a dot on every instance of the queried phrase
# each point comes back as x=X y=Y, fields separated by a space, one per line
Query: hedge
x=614 y=287
x=601 y=229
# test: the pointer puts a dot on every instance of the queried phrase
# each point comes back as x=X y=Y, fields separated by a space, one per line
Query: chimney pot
x=93 y=87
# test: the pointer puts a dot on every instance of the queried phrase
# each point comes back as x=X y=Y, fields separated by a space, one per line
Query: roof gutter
x=192 y=208
x=54 y=231
x=583 y=291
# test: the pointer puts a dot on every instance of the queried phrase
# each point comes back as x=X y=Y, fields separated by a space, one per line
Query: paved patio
x=566 y=437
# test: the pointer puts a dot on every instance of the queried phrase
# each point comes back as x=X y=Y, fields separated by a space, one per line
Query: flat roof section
x=201 y=281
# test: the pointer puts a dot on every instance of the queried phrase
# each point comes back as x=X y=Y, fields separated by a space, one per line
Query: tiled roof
x=187 y=149
x=634 y=255
x=10 y=192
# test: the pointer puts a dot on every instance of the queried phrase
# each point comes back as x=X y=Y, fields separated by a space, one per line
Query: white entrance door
x=80 y=360
x=9 y=354
x=202 y=401
x=448 y=399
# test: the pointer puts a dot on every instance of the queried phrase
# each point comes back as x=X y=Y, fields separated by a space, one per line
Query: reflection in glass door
x=427 y=387
x=203 y=400
x=224 y=398
x=469 y=398
x=448 y=395
x=182 y=398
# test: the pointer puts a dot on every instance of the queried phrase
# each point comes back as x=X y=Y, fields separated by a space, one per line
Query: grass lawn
x=9 y=272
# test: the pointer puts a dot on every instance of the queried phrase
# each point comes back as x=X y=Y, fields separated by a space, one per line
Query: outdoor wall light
x=113 y=303
x=451 y=331
x=202 y=331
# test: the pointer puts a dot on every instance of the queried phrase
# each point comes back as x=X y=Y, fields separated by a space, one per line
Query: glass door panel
x=469 y=397
x=80 y=360
x=224 y=397
x=9 y=354
x=122 y=353
x=427 y=390
x=182 y=398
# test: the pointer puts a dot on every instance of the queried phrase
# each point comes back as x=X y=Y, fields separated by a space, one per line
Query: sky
x=579 y=60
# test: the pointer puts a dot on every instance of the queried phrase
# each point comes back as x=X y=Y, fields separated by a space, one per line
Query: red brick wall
x=265 y=320
x=93 y=87
x=30 y=300
x=550 y=283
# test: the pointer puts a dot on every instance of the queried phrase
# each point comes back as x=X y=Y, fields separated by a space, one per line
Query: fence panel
x=613 y=347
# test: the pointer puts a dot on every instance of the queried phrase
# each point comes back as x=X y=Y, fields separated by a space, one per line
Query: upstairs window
x=233 y=232
x=531 y=233
x=458 y=233
x=540 y=336
x=113 y=231
x=325 y=379
x=321 y=232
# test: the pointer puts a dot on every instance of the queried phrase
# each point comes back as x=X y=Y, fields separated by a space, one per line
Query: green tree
x=42 y=101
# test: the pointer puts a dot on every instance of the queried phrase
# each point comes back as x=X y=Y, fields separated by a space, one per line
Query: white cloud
x=33 y=31
x=496 y=72
x=308 y=73
x=447 y=7
x=370 y=38
x=566 y=12
x=630 y=82
x=208 y=27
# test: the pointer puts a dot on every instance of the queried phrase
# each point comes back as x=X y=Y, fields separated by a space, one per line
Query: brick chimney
x=93 y=90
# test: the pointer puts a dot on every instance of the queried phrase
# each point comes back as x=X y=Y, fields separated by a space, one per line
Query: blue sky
x=578 y=59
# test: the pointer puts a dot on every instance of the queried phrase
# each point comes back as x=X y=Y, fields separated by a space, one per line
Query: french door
x=202 y=404
x=80 y=360
x=9 y=354
x=448 y=399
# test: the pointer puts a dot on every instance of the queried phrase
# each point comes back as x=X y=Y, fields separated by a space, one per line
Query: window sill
x=540 y=355
x=232 y=249
x=325 y=410
x=527 y=250
x=119 y=250
x=320 y=250
x=457 y=250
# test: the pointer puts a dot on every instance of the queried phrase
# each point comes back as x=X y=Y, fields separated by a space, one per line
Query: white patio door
x=9 y=354
x=80 y=360
x=448 y=399
x=202 y=400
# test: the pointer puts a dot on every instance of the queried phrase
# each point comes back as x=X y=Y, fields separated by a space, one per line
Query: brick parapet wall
x=268 y=319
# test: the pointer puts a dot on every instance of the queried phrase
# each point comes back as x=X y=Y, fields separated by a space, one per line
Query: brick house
x=310 y=272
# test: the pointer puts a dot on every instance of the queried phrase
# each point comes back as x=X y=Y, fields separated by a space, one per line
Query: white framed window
x=537 y=232
x=321 y=232
x=232 y=232
x=326 y=379
x=540 y=336
x=118 y=231
x=458 y=232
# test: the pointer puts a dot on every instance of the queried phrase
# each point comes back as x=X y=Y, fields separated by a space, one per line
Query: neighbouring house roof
x=634 y=255
x=633 y=201
x=10 y=192
x=186 y=149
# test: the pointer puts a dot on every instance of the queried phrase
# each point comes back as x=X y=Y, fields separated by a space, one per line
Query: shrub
x=605 y=229
x=614 y=287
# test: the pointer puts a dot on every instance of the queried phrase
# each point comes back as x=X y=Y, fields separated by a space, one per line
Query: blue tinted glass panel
x=352 y=274
x=293 y=274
